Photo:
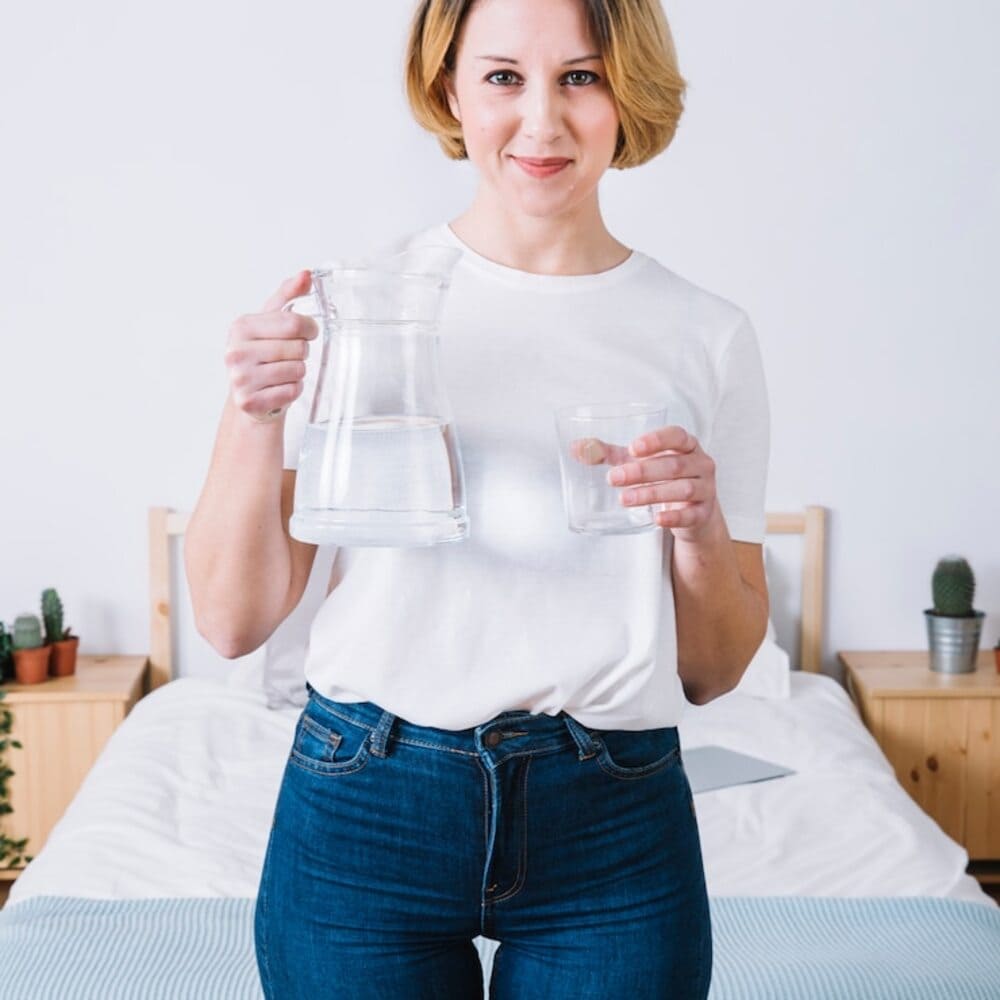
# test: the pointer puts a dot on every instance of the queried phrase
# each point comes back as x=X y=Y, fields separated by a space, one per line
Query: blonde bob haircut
x=639 y=59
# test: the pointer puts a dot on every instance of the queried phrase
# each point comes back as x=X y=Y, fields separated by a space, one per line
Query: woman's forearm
x=721 y=619
x=235 y=548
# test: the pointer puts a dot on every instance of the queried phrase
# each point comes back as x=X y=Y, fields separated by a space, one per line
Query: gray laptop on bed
x=711 y=767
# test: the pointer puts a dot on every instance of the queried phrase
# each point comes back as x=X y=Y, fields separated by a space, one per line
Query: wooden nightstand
x=941 y=733
x=62 y=724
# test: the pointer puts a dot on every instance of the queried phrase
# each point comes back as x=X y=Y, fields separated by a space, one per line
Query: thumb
x=594 y=451
x=298 y=284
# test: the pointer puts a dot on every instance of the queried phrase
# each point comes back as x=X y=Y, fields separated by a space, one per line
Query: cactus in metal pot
x=27 y=632
x=954 y=587
x=52 y=614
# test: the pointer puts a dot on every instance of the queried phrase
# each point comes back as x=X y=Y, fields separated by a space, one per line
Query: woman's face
x=529 y=85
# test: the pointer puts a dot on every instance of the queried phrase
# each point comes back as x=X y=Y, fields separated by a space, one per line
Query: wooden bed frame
x=165 y=524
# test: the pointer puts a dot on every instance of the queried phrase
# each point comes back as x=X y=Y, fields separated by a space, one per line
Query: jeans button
x=492 y=739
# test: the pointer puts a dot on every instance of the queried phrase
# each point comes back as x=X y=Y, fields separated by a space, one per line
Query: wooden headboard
x=165 y=524
x=811 y=524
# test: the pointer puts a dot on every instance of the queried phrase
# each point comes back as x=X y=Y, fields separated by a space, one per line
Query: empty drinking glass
x=592 y=438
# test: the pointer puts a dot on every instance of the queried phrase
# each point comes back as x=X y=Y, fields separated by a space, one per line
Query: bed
x=829 y=882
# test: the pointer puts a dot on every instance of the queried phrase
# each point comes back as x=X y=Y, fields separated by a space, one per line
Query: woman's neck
x=571 y=244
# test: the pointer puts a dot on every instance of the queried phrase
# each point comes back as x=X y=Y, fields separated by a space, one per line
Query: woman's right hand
x=266 y=353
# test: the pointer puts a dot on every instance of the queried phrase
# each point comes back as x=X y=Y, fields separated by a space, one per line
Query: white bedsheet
x=180 y=801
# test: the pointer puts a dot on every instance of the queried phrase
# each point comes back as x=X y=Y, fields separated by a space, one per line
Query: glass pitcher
x=380 y=462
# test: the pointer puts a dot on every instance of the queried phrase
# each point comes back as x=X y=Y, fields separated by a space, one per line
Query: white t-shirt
x=525 y=613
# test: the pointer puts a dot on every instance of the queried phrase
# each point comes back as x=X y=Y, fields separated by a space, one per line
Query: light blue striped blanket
x=796 y=947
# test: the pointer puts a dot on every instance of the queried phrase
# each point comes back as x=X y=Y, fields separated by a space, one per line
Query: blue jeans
x=394 y=846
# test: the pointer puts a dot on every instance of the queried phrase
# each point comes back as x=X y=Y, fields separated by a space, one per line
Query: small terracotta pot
x=31 y=666
x=62 y=661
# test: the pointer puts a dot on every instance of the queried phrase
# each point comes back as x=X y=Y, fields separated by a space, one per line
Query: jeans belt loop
x=380 y=735
x=584 y=741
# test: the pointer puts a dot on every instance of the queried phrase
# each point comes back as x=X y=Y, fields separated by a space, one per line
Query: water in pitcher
x=360 y=482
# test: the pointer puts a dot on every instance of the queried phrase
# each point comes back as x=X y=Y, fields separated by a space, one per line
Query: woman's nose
x=542 y=114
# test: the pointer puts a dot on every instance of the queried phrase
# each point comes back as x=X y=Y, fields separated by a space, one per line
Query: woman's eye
x=584 y=73
x=506 y=73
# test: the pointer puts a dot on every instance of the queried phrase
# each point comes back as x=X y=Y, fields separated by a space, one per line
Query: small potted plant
x=31 y=656
x=6 y=654
x=12 y=853
x=62 y=643
x=953 y=627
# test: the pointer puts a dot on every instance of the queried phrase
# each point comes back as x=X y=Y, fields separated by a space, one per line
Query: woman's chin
x=538 y=204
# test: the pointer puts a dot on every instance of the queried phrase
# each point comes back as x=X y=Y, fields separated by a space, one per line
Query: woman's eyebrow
x=569 y=62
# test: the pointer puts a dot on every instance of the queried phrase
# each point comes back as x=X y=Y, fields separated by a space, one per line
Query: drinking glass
x=592 y=438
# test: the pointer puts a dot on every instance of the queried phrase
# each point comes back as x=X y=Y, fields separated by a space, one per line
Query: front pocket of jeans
x=639 y=754
x=320 y=747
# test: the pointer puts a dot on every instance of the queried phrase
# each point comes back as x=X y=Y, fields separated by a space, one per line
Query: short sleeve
x=740 y=438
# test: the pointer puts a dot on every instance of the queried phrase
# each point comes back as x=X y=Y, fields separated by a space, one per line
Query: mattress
x=180 y=801
x=815 y=947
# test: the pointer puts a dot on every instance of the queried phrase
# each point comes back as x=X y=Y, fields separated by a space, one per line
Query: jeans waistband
x=539 y=732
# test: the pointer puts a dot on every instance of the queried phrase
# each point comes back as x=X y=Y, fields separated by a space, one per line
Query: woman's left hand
x=669 y=466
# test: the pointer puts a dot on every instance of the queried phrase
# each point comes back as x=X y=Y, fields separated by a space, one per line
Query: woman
x=490 y=742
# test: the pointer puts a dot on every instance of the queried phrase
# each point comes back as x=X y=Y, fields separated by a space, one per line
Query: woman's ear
x=449 y=89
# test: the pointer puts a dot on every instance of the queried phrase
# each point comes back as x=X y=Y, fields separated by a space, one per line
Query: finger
x=275 y=325
x=290 y=288
x=594 y=451
x=269 y=375
x=652 y=470
x=678 y=491
x=261 y=352
x=673 y=438
x=678 y=517
x=589 y=451
x=259 y=404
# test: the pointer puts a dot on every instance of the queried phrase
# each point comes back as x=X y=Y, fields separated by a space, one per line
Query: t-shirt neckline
x=540 y=282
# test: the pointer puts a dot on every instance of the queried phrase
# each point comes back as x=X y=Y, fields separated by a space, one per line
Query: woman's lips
x=541 y=168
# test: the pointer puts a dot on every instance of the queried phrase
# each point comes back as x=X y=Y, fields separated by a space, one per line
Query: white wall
x=837 y=173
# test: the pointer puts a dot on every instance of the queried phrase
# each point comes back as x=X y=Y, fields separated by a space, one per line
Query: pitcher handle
x=278 y=411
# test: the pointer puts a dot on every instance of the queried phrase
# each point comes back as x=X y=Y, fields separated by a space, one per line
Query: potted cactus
x=31 y=656
x=62 y=643
x=953 y=627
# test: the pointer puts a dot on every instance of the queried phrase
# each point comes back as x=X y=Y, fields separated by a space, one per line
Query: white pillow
x=767 y=674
